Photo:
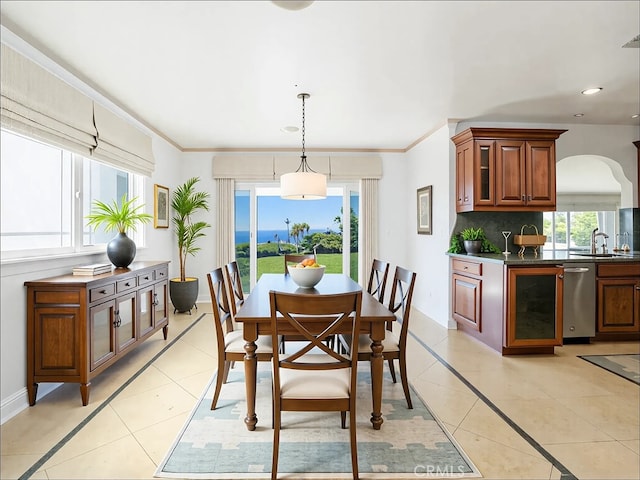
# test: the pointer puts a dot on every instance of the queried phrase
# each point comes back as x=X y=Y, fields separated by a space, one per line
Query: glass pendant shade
x=303 y=186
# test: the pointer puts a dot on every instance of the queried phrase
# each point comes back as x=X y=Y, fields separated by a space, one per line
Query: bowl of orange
x=307 y=273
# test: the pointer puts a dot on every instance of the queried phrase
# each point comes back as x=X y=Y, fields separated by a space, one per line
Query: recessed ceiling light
x=289 y=129
x=591 y=91
x=578 y=114
x=635 y=115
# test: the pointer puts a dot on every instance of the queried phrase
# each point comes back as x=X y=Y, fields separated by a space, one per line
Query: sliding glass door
x=267 y=227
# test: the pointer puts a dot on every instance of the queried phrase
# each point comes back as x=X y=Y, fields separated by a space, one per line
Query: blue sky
x=273 y=211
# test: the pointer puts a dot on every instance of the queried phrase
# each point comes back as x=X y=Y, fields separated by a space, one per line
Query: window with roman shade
x=38 y=104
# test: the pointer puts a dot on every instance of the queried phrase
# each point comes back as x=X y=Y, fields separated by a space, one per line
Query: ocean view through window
x=267 y=227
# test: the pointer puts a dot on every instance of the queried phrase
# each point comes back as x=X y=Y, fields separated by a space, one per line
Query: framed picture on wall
x=424 y=210
x=160 y=206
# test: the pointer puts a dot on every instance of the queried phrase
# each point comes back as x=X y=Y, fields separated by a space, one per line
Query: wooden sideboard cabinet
x=77 y=326
x=506 y=169
x=618 y=300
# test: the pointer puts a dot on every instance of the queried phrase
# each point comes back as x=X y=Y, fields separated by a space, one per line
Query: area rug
x=216 y=444
x=625 y=365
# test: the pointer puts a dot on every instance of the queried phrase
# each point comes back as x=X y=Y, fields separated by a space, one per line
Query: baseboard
x=19 y=401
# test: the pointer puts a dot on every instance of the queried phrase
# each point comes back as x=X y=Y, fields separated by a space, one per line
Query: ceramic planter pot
x=183 y=294
x=473 y=246
x=121 y=250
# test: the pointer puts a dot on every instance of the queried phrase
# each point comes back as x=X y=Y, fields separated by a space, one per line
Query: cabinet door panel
x=534 y=309
x=161 y=294
x=464 y=177
x=618 y=305
x=484 y=181
x=57 y=331
x=467 y=295
x=126 y=321
x=541 y=173
x=102 y=333
x=146 y=310
x=510 y=172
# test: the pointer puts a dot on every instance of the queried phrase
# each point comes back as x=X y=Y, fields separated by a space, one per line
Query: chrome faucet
x=594 y=236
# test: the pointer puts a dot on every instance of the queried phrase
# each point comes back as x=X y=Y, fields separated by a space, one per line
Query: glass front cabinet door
x=534 y=307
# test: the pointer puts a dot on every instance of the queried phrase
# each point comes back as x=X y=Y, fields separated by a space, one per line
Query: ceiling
x=381 y=75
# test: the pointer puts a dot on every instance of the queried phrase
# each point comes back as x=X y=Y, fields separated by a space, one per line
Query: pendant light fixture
x=304 y=183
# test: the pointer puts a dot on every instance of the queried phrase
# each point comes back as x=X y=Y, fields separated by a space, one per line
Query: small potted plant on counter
x=471 y=240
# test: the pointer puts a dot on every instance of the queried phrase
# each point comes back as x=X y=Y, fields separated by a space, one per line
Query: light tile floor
x=525 y=417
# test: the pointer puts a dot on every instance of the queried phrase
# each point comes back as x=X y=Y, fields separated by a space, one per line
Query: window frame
x=135 y=188
x=252 y=187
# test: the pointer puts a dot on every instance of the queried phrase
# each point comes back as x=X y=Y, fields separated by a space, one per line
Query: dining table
x=255 y=317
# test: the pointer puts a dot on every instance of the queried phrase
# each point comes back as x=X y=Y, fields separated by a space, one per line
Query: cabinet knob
x=466 y=199
x=524 y=198
x=560 y=276
x=127 y=284
x=147 y=277
x=103 y=292
x=155 y=299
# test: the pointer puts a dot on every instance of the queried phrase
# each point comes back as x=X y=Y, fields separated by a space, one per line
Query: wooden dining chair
x=393 y=346
x=290 y=258
x=230 y=343
x=378 y=279
x=314 y=377
x=234 y=286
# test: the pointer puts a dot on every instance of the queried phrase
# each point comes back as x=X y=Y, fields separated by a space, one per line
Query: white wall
x=160 y=245
x=432 y=162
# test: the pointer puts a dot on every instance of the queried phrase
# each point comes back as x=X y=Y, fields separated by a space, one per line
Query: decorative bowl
x=307 y=277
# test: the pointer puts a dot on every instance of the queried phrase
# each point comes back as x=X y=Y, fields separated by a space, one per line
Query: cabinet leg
x=165 y=331
x=32 y=391
x=84 y=392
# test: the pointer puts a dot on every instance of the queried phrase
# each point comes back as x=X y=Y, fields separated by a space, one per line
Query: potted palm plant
x=121 y=250
x=186 y=201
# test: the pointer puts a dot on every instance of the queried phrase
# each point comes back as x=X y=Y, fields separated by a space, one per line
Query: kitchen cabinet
x=618 y=300
x=466 y=287
x=534 y=307
x=505 y=169
x=77 y=326
x=514 y=310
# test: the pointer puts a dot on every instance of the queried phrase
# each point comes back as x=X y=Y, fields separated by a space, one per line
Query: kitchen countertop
x=546 y=257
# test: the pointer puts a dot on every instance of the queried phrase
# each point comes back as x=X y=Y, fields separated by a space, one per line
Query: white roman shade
x=121 y=144
x=36 y=103
x=355 y=168
x=40 y=105
x=289 y=164
x=267 y=167
x=254 y=167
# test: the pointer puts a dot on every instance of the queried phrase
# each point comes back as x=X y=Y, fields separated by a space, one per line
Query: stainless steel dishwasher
x=579 y=302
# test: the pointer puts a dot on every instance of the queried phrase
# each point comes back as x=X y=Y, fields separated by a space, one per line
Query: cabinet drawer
x=619 y=270
x=161 y=273
x=128 y=284
x=466 y=267
x=99 y=293
x=44 y=296
x=145 y=278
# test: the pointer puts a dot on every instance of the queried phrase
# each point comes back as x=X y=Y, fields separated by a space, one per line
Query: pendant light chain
x=303 y=155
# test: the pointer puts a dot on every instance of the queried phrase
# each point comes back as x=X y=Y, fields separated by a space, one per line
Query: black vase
x=121 y=250
x=473 y=246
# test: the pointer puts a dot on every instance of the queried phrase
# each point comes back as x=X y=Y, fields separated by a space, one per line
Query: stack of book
x=95 y=269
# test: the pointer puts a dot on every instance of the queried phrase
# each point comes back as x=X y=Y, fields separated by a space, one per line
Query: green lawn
x=275 y=264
